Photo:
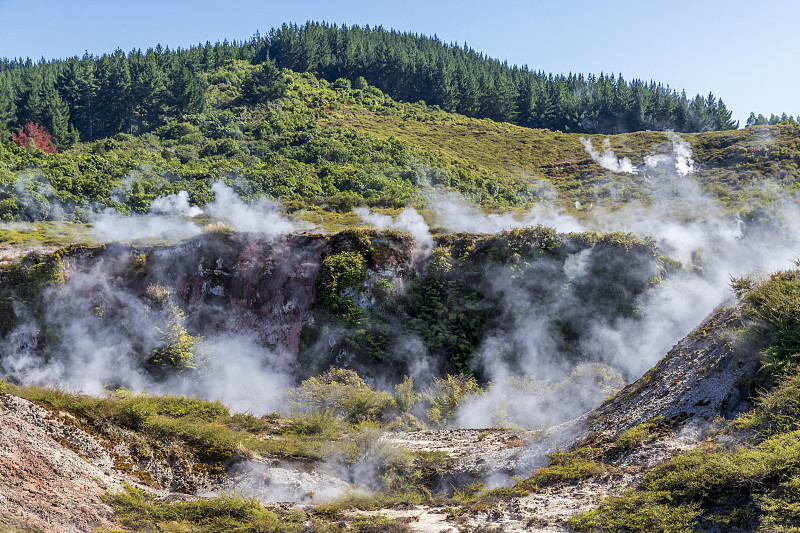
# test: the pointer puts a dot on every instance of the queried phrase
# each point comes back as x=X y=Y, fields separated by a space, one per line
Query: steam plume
x=608 y=159
x=408 y=220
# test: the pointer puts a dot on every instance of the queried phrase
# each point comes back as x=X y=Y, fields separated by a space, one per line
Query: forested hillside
x=314 y=144
x=93 y=97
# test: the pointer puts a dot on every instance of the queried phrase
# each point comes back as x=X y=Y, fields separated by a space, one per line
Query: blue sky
x=744 y=52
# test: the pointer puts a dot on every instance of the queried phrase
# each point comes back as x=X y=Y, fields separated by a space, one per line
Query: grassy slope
x=729 y=163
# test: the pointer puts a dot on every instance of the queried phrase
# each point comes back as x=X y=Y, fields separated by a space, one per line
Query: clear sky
x=747 y=53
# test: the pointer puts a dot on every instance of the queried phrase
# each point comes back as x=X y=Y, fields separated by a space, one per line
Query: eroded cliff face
x=295 y=305
x=133 y=299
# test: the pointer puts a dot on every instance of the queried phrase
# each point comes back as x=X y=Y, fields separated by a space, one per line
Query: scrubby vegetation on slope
x=320 y=145
x=741 y=487
x=367 y=300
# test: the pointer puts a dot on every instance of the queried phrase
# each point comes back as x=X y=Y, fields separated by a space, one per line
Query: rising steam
x=167 y=219
x=608 y=159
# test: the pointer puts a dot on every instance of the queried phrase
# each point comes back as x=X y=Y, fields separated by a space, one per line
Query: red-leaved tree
x=36 y=134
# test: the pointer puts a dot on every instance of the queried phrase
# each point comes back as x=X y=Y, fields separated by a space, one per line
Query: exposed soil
x=44 y=484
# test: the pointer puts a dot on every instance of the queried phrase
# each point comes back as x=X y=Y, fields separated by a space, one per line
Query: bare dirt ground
x=44 y=484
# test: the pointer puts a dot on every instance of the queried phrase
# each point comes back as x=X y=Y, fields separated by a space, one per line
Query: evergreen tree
x=149 y=90
x=115 y=97
x=723 y=118
x=8 y=107
x=79 y=87
x=187 y=91
x=137 y=92
x=31 y=106
x=265 y=82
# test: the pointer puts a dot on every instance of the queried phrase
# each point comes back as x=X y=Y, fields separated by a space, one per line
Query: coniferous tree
x=149 y=90
x=80 y=88
x=137 y=92
x=115 y=97
x=8 y=107
x=187 y=91
x=31 y=106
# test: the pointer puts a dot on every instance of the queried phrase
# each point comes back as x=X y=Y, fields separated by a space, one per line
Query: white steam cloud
x=608 y=159
x=455 y=214
x=166 y=220
x=174 y=204
x=284 y=481
x=262 y=216
x=111 y=226
x=408 y=220
x=680 y=159
x=101 y=333
x=688 y=225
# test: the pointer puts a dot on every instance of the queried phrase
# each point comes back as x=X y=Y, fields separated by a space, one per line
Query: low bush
x=773 y=306
x=777 y=410
x=441 y=399
x=138 y=510
x=344 y=394
x=634 y=512
x=637 y=435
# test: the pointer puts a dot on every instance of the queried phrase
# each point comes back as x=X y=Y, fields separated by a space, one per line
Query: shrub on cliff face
x=176 y=347
x=338 y=273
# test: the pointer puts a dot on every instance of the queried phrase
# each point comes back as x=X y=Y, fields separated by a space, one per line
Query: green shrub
x=781 y=507
x=140 y=511
x=637 y=435
x=404 y=395
x=321 y=424
x=777 y=410
x=635 y=512
x=343 y=393
x=567 y=466
x=338 y=273
x=442 y=397
x=774 y=308
x=176 y=350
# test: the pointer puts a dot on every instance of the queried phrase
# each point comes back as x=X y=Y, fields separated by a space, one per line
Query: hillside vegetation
x=96 y=97
x=354 y=331
x=745 y=479
x=313 y=144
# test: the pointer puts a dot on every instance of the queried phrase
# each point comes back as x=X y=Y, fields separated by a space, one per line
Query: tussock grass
x=140 y=511
x=204 y=425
